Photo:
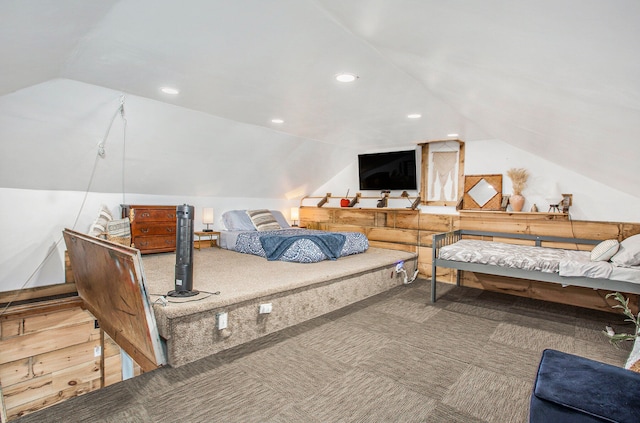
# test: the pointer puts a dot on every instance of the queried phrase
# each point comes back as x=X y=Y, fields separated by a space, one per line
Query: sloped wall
x=592 y=200
x=32 y=250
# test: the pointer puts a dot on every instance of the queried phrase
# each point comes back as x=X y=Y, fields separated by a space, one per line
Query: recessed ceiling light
x=277 y=121
x=169 y=90
x=414 y=116
x=346 y=77
x=452 y=135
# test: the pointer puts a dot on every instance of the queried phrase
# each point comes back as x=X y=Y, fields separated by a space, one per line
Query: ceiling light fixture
x=277 y=121
x=169 y=90
x=452 y=135
x=346 y=77
x=414 y=116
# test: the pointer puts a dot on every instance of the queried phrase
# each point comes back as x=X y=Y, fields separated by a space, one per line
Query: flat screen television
x=387 y=171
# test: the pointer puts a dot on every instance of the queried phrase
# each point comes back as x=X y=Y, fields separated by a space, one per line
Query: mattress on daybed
x=301 y=250
x=541 y=259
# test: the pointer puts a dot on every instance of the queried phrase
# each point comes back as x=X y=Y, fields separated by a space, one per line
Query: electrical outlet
x=265 y=308
x=222 y=320
x=97 y=351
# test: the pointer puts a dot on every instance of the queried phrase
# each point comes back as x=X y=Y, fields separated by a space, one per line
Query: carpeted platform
x=238 y=283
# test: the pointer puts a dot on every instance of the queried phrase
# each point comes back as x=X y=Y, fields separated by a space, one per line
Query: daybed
x=266 y=233
x=611 y=265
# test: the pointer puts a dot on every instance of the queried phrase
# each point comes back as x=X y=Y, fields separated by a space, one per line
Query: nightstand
x=210 y=235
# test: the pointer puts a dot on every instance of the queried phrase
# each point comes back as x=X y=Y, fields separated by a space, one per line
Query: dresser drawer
x=157 y=214
x=144 y=229
x=155 y=243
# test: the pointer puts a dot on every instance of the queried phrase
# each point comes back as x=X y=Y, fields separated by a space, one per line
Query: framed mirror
x=482 y=192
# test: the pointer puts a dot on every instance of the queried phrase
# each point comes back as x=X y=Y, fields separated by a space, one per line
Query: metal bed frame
x=447 y=238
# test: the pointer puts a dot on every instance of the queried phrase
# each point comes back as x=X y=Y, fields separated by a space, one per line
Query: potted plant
x=518 y=178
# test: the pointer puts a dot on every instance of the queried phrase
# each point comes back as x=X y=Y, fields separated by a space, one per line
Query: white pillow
x=99 y=226
x=629 y=252
x=605 y=250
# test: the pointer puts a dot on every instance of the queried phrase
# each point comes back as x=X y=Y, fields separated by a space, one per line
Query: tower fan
x=184 y=253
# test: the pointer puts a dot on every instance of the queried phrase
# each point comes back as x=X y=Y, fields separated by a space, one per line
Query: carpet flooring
x=471 y=357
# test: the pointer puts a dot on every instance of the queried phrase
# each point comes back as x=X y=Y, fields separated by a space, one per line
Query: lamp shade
x=207 y=216
x=295 y=213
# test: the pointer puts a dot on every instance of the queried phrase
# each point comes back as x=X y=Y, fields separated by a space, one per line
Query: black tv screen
x=387 y=171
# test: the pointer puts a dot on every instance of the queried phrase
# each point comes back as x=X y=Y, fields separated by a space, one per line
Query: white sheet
x=578 y=263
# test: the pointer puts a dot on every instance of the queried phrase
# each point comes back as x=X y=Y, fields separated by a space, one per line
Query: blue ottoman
x=569 y=389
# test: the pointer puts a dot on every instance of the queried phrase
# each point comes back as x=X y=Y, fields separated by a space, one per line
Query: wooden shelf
x=496 y=214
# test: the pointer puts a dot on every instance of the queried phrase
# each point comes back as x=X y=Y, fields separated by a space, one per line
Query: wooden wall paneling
x=353 y=217
x=393 y=246
x=629 y=229
x=437 y=222
x=577 y=296
x=336 y=227
x=10 y=327
x=54 y=319
x=596 y=230
x=51 y=358
x=58 y=360
x=381 y=219
x=15 y=371
x=314 y=214
x=45 y=341
x=23 y=395
x=398 y=236
x=61 y=289
x=408 y=220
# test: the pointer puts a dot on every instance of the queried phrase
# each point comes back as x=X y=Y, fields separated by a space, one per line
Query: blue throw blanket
x=329 y=243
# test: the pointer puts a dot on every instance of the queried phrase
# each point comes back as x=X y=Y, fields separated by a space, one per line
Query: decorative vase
x=517 y=202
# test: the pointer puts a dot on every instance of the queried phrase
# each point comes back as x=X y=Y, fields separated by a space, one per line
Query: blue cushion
x=569 y=388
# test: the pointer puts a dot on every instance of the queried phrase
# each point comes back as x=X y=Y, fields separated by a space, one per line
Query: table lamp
x=295 y=215
x=207 y=218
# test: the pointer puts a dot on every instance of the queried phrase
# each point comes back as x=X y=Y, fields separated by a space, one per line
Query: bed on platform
x=610 y=265
x=128 y=292
x=267 y=234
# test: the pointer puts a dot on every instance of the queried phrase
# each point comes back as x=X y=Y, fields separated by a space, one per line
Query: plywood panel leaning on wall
x=109 y=279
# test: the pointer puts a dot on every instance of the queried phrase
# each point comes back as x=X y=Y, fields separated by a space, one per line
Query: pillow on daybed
x=629 y=252
x=99 y=226
x=239 y=220
x=605 y=250
x=263 y=220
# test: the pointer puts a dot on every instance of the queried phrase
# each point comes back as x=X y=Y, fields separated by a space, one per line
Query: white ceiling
x=560 y=79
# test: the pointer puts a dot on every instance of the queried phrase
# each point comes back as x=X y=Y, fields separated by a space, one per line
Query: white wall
x=592 y=200
x=32 y=221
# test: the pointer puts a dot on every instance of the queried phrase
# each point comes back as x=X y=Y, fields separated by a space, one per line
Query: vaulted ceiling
x=557 y=78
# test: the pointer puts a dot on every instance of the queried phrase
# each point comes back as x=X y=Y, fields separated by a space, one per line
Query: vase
x=517 y=202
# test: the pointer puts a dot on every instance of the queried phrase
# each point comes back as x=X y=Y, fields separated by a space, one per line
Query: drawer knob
x=144 y=230
x=146 y=214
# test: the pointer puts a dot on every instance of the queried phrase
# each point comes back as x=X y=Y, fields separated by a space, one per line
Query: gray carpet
x=471 y=357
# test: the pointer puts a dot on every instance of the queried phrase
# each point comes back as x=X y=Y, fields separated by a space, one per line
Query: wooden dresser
x=153 y=228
